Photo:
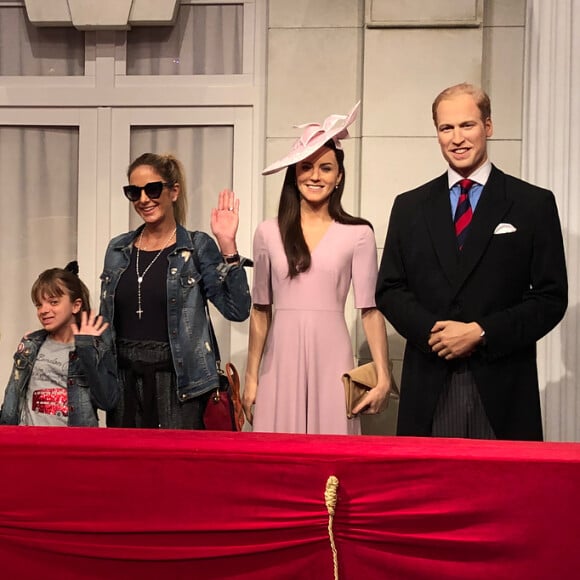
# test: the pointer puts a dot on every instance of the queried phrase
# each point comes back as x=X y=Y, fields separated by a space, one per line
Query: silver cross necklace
x=140 y=277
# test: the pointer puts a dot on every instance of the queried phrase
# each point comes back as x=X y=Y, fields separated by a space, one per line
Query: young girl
x=64 y=372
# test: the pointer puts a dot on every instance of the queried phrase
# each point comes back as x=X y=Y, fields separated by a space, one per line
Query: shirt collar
x=480 y=175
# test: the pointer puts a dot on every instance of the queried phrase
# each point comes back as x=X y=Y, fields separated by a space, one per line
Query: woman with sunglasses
x=153 y=289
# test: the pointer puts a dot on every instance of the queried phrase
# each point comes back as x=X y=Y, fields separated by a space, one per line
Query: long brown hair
x=171 y=170
x=295 y=246
x=57 y=282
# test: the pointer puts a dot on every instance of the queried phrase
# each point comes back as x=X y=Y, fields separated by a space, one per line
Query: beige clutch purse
x=359 y=381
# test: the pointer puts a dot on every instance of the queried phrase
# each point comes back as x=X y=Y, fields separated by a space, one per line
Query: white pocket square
x=504 y=229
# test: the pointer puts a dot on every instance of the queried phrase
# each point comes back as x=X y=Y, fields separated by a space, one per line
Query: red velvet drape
x=107 y=503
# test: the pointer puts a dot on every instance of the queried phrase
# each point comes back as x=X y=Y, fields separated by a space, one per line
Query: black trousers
x=149 y=398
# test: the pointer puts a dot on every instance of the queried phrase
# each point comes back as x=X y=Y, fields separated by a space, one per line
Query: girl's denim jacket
x=192 y=273
x=91 y=383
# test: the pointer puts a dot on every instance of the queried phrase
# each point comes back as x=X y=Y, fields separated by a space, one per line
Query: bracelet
x=231 y=258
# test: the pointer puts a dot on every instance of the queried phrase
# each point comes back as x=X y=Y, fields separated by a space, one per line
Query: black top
x=153 y=322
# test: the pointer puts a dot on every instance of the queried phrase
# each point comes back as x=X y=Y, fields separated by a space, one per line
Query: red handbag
x=223 y=411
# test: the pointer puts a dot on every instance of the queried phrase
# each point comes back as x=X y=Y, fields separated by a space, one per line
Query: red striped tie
x=463 y=213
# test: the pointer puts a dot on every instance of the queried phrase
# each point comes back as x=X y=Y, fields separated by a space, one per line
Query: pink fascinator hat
x=314 y=136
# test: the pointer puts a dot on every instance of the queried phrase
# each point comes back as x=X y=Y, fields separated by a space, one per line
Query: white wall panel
x=405 y=69
x=309 y=14
x=418 y=13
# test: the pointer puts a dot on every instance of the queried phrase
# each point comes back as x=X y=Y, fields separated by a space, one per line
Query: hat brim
x=318 y=136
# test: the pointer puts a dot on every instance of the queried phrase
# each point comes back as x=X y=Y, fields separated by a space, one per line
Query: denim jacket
x=91 y=383
x=191 y=274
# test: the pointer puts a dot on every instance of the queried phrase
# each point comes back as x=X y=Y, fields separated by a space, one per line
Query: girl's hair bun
x=72 y=267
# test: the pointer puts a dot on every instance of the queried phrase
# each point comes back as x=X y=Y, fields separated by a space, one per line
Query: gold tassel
x=330 y=497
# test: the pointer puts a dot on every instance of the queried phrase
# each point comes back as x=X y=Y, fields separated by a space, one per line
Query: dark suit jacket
x=514 y=285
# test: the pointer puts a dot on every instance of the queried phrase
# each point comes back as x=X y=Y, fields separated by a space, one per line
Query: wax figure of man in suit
x=472 y=311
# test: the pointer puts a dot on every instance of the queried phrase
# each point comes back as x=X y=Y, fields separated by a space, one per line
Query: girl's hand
x=224 y=221
x=90 y=324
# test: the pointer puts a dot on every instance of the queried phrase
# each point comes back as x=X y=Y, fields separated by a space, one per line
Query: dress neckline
x=322 y=238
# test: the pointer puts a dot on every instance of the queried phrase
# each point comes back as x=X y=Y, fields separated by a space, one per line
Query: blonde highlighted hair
x=171 y=171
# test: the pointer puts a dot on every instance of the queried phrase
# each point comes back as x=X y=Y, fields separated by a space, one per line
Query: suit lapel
x=437 y=213
x=492 y=206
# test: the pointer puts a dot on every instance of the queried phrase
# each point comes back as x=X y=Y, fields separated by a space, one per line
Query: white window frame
x=85 y=120
x=122 y=120
x=105 y=103
x=241 y=119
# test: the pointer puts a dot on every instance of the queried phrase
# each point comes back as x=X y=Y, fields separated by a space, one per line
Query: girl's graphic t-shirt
x=47 y=398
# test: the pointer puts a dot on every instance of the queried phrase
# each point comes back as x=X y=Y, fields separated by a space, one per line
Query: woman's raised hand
x=224 y=221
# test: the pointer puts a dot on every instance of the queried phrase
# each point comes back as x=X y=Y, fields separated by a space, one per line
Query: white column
x=551 y=159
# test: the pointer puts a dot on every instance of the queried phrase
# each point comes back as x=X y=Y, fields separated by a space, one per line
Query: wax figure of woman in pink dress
x=304 y=263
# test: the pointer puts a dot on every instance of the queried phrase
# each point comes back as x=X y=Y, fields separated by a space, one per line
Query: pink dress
x=308 y=346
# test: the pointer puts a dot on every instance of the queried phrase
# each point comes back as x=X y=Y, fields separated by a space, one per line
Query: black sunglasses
x=152 y=190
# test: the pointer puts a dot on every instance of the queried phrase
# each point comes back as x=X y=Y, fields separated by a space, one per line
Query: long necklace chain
x=140 y=277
